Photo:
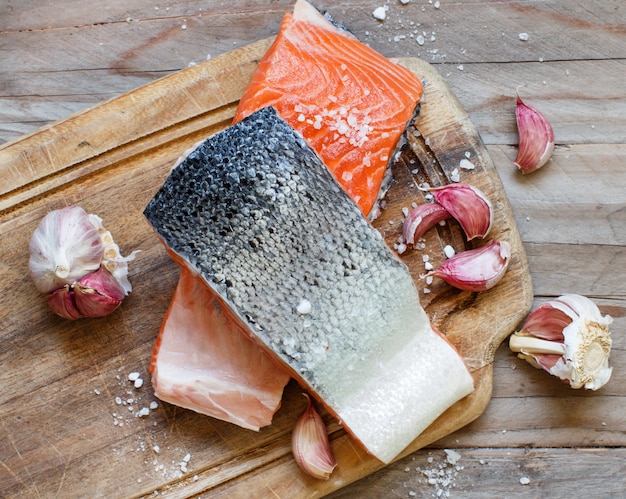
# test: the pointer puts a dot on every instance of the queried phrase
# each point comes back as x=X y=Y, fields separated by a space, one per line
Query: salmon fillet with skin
x=203 y=361
x=293 y=261
x=353 y=116
x=350 y=103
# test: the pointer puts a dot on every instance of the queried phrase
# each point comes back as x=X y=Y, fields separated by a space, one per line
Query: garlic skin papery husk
x=468 y=205
x=65 y=247
x=536 y=137
x=569 y=338
x=477 y=269
x=310 y=445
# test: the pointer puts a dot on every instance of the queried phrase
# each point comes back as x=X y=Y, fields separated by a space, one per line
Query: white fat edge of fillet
x=408 y=387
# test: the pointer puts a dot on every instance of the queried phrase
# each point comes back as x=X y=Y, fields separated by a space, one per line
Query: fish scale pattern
x=255 y=211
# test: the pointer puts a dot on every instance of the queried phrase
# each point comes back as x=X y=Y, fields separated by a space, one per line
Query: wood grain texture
x=63 y=56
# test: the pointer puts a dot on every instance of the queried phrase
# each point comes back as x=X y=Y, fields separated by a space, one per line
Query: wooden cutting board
x=69 y=414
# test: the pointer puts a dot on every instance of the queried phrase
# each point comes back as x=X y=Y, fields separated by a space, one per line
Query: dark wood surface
x=62 y=57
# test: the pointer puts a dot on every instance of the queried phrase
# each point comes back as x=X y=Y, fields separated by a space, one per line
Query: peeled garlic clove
x=469 y=205
x=536 y=137
x=478 y=269
x=62 y=303
x=420 y=219
x=310 y=445
x=98 y=294
x=64 y=247
x=569 y=338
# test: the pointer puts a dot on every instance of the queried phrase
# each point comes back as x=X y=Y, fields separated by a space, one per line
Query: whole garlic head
x=569 y=338
x=65 y=247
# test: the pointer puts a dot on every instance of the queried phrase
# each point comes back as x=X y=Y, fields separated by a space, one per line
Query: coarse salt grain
x=523 y=37
x=304 y=307
x=428 y=266
x=153 y=405
x=380 y=13
x=138 y=383
x=449 y=251
x=455 y=176
x=133 y=376
x=524 y=480
x=466 y=164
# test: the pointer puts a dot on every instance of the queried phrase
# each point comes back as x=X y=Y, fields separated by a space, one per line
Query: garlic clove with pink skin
x=468 y=205
x=420 y=219
x=62 y=303
x=98 y=294
x=569 y=338
x=95 y=295
x=64 y=247
x=536 y=137
x=477 y=269
x=310 y=445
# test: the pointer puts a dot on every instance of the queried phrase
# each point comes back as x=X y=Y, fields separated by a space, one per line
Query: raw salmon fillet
x=203 y=361
x=259 y=217
x=349 y=102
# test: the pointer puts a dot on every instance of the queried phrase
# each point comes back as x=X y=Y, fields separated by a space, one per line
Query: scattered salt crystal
x=524 y=480
x=156 y=448
x=426 y=291
x=449 y=251
x=184 y=26
x=468 y=154
x=404 y=2
x=420 y=40
x=153 y=405
x=96 y=391
x=425 y=258
x=401 y=248
x=380 y=13
x=405 y=211
x=428 y=266
x=187 y=458
x=452 y=456
x=304 y=307
x=437 y=4
x=466 y=164
x=455 y=176
x=118 y=400
x=429 y=280
x=523 y=37
x=460 y=67
x=412 y=493
x=133 y=376
x=603 y=423
x=143 y=412
x=138 y=383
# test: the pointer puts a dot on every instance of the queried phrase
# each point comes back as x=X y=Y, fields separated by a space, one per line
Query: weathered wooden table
x=537 y=437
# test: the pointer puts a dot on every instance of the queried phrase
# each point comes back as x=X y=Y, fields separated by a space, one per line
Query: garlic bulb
x=74 y=259
x=569 y=338
x=64 y=248
x=310 y=445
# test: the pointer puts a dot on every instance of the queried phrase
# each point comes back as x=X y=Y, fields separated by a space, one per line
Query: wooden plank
x=484 y=473
x=111 y=166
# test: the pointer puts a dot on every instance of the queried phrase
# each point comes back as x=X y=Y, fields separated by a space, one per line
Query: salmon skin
x=350 y=103
x=204 y=362
x=258 y=216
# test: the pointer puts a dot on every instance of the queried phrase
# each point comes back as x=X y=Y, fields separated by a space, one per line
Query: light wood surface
x=62 y=57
